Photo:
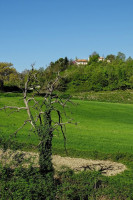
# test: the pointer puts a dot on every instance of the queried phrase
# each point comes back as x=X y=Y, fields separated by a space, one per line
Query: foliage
x=110 y=57
x=28 y=183
x=22 y=183
x=60 y=65
x=8 y=75
x=114 y=73
x=83 y=185
x=92 y=185
x=100 y=76
x=93 y=58
x=121 y=56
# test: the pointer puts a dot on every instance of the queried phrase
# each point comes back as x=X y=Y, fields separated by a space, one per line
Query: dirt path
x=107 y=168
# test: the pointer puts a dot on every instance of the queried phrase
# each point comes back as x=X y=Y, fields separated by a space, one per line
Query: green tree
x=62 y=63
x=93 y=58
x=120 y=56
x=129 y=59
x=8 y=75
x=110 y=57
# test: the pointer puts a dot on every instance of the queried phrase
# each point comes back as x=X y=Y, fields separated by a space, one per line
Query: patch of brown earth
x=107 y=168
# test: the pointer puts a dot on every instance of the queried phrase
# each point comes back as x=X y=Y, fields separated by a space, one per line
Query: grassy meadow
x=104 y=131
x=102 y=128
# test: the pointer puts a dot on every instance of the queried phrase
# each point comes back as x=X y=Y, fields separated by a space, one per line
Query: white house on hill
x=101 y=59
x=81 y=62
x=85 y=62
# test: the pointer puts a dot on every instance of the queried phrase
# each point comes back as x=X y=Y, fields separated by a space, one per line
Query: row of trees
x=10 y=78
x=93 y=58
x=114 y=72
x=100 y=77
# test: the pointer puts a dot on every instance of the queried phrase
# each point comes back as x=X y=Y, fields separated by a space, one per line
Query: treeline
x=9 y=77
x=114 y=72
x=99 y=76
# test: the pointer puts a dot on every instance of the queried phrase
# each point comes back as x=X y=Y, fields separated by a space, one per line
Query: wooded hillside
x=114 y=73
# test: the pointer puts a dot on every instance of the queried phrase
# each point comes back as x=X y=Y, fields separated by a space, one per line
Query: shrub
x=82 y=185
x=27 y=184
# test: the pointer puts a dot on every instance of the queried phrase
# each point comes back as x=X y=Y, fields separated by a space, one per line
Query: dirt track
x=107 y=168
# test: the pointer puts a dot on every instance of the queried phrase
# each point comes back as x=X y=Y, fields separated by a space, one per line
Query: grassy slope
x=104 y=131
x=10 y=121
x=116 y=96
x=103 y=127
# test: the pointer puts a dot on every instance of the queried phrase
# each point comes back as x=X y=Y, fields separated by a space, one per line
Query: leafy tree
x=120 y=56
x=5 y=70
x=110 y=57
x=8 y=75
x=129 y=59
x=93 y=58
x=60 y=65
x=131 y=81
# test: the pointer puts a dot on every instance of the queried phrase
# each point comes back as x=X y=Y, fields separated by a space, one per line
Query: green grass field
x=103 y=128
x=103 y=131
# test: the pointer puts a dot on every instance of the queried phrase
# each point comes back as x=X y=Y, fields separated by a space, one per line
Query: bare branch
x=61 y=126
x=13 y=107
x=25 y=122
x=51 y=86
x=30 y=99
x=64 y=123
x=39 y=117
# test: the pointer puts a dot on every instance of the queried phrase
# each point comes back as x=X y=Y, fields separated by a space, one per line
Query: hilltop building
x=101 y=59
x=81 y=62
x=85 y=61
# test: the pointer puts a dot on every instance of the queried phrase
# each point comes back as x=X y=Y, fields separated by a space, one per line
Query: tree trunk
x=45 y=147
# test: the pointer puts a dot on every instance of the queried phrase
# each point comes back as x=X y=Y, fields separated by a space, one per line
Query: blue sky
x=42 y=31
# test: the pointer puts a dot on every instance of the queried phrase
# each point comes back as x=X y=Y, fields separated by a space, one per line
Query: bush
x=84 y=185
x=29 y=184
x=26 y=184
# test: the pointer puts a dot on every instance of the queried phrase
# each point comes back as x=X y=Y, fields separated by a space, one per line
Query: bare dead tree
x=39 y=116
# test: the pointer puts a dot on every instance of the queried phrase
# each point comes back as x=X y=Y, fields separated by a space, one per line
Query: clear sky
x=42 y=31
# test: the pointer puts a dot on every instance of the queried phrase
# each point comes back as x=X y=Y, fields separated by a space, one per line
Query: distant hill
x=95 y=76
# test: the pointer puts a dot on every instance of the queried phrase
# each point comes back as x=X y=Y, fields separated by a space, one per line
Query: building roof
x=81 y=60
x=101 y=57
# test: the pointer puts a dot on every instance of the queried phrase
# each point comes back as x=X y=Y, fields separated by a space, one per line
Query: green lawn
x=104 y=128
